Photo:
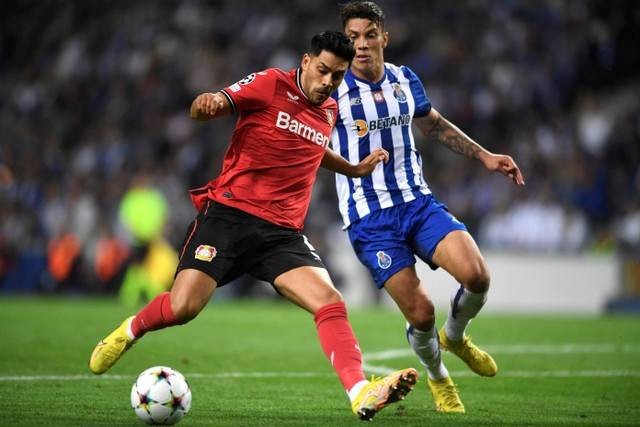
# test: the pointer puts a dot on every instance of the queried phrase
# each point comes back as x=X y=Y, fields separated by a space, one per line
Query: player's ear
x=385 y=39
x=306 y=59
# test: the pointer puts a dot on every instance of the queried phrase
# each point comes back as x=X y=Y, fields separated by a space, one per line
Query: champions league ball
x=161 y=395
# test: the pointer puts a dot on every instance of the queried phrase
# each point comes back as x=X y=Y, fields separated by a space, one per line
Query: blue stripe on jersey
x=387 y=143
x=408 y=152
x=357 y=111
x=344 y=152
x=423 y=105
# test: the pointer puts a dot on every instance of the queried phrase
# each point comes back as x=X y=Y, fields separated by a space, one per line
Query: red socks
x=339 y=343
x=334 y=331
x=155 y=315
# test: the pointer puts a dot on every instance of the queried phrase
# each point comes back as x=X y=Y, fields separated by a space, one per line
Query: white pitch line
x=380 y=370
x=550 y=349
x=384 y=370
x=107 y=377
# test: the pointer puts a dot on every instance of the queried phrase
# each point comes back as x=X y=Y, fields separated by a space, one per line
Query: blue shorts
x=388 y=240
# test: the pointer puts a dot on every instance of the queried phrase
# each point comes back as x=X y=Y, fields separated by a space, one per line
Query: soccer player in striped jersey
x=251 y=216
x=391 y=215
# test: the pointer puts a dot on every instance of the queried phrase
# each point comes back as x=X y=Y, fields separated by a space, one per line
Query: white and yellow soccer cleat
x=110 y=349
x=445 y=396
x=479 y=361
x=383 y=391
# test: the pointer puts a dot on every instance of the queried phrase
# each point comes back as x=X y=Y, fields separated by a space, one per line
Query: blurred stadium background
x=94 y=108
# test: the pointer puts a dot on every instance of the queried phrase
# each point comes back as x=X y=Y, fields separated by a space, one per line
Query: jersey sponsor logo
x=387 y=122
x=235 y=87
x=206 y=253
x=361 y=128
x=355 y=101
x=378 y=97
x=251 y=77
x=285 y=121
x=384 y=260
x=399 y=94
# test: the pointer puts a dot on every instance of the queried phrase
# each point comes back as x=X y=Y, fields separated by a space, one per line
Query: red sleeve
x=253 y=92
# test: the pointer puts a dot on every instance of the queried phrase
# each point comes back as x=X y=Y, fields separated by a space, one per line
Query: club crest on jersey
x=378 y=97
x=206 y=253
x=251 y=77
x=384 y=260
x=330 y=117
x=398 y=93
x=360 y=127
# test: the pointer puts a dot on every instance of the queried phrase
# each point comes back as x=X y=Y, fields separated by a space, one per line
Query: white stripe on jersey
x=372 y=115
x=342 y=185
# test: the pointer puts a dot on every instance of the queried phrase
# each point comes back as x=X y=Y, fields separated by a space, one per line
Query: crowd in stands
x=95 y=95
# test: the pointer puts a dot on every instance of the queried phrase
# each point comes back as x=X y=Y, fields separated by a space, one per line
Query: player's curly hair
x=335 y=42
x=364 y=10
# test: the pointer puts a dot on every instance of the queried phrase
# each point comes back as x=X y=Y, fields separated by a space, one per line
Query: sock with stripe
x=465 y=305
x=339 y=344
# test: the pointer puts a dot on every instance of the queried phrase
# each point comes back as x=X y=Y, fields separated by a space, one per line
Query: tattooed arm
x=435 y=126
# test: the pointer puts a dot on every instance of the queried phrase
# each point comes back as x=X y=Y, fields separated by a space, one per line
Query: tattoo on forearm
x=447 y=134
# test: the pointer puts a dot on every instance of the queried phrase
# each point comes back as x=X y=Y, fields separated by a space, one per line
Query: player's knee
x=422 y=315
x=185 y=310
x=477 y=278
x=332 y=296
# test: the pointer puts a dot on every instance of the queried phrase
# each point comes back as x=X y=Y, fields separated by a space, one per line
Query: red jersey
x=275 y=150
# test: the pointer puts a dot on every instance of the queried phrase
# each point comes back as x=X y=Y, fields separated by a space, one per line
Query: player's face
x=369 y=39
x=321 y=75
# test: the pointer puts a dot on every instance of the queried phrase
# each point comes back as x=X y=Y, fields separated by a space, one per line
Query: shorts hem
x=392 y=271
x=429 y=260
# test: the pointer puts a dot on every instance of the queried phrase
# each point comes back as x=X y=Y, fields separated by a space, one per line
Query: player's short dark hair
x=335 y=42
x=362 y=9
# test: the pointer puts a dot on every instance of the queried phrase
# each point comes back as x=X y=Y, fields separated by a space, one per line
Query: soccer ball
x=161 y=395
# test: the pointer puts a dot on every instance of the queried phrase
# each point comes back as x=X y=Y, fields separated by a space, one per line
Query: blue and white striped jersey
x=372 y=115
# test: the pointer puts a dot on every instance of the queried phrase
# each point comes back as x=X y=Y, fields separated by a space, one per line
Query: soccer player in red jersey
x=251 y=216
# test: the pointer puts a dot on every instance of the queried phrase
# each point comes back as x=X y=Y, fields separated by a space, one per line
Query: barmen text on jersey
x=285 y=121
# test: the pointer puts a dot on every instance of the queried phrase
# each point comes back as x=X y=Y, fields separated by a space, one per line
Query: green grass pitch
x=260 y=364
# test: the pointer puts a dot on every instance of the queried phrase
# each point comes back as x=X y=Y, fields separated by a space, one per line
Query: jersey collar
x=374 y=85
x=299 y=82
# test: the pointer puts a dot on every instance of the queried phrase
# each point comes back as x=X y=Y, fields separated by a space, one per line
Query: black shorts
x=226 y=243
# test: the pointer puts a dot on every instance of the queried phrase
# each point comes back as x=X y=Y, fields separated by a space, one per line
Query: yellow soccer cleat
x=479 y=361
x=383 y=391
x=445 y=396
x=109 y=350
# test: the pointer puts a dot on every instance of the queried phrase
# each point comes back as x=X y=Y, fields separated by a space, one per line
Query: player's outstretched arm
x=435 y=126
x=207 y=106
x=335 y=162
